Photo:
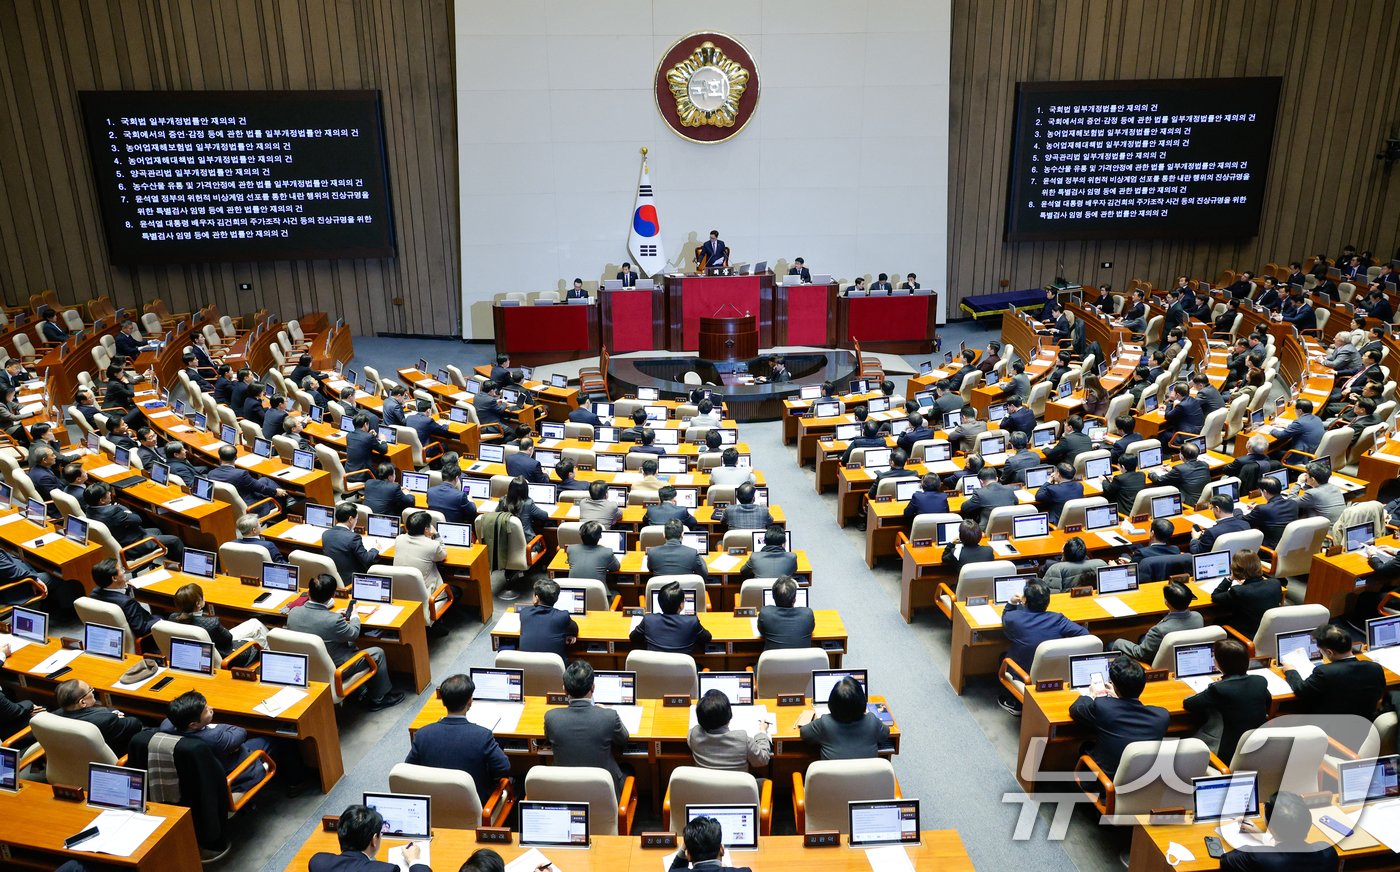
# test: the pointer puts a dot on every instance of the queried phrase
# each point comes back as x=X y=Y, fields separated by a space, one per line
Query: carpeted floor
x=958 y=753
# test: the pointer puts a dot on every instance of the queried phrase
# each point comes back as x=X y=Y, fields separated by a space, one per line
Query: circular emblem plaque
x=706 y=87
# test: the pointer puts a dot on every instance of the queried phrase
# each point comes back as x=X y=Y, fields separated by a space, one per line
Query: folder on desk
x=508 y=623
x=248 y=460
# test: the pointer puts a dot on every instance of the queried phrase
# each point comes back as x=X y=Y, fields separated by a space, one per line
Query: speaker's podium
x=729 y=338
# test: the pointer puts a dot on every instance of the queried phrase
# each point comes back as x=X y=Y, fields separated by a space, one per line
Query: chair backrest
x=736 y=538
x=831 y=784
x=721 y=493
x=1052 y=656
x=788 y=670
x=68 y=505
x=69 y=746
x=651 y=535
x=1214 y=428
x=98 y=532
x=687 y=582
x=925 y=526
x=1040 y=392
x=91 y=611
x=578 y=430
x=225 y=492
x=751 y=592
x=544 y=671
x=1140 y=445
x=595 y=593
x=320 y=667
x=1287 y=619
x=999 y=521
x=1209 y=490
x=693 y=785
x=309 y=565
x=1074 y=510
x=1242 y=540
x=516 y=557
x=660 y=673
x=456 y=803
x=973 y=573
x=1286 y=758
x=589 y=784
x=1334 y=445
x=409 y=584
x=1158 y=775
x=1166 y=656
x=1301 y=539
x=1084 y=457
x=164 y=631
x=1142 y=503
x=1367 y=511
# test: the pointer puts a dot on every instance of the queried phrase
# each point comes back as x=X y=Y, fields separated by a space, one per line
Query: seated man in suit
x=667 y=509
x=584 y=414
x=1022 y=458
x=190 y=715
x=670 y=631
x=1071 y=444
x=729 y=473
x=639 y=425
x=302 y=370
x=799 y=268
x=1234 y=705
x=991 y=495
x=1075 y=568
x=964 y=436
x=704 y=848
x=916 y=432
x=627 y=276
x=1305 y=431
x=523 y=463
x=778 y=373
x=1341 y=684
x=500 y=371
x=928 y=499
x=490 y=408
x=76 y=699
x=383 y=493
x=249 y=528
x=448 y=497
x=1289 y=823
x=339 y=631
x=745 y=514
x=869 y=438
x=1223 y=510
x=1179 y=616
x=51 y=329
x=564 y=471
x=345 y=546
x=1126 y=424
x=673 y=558
x=191 y=370
x=714 y=253
x=359 y=832
x=1119 y=718
x=646 y=444
x=419 y=417
x=1276 y=513
x=583 y=734
x=588 y=559
x=897 y=469
x=275 y=416
x=362 y=446
x=1190 y=476
x=111 y=585
x=456 y=743
x=773 y=560
x=543 y=628
x=125 y=525
x=1159 y=542
x=1061 y=488
x=1019 y=385
x=705 y=415
x=177 y=457
x=881 y=283
x=127 y=343
x=1026 y=624
x=1317 y=496
x=1257 y=453
x=576 y=291
x=1019 y=417
x=1183 y=415
x=598 y=507
x=784 y=624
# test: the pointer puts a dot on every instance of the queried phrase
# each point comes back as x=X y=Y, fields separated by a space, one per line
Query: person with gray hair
x=1343 y=358
x=249 y=528
x=1317 y=496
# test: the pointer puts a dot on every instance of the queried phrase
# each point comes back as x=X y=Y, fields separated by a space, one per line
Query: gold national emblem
x=707 y=85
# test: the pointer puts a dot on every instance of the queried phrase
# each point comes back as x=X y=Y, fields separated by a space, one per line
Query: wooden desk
x=603 y=640
x=1335 y=577
x=797 y=408
x=978 y=648
x=468 y=569
x=37 y=824
x=631 y=579
x=310 y=722
x=940 y=849
x=404 y=639
x=1150 y=844
x=205 y=525
x=896 y=324
x=544 y=333
x=329 y=434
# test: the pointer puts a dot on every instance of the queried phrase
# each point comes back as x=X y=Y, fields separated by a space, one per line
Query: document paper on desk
x=502 y=717
x=1387 y=657
x=120 y=833
x=248 y=460
x=1277 y=685
x=303 y=533
x=631 y=716
x=509 y=623
x=385 y=615
x=425 y=856
x=727 y=562
x=185 y=503
x=11 y=518
x=14 y=642
x=280 y=701
x=889 y=858
x=110 y=469
x=1115 y=606
x=985 y=616
x=149 y=578
x=532 y=860
x=1382 y=821
x=54 y=662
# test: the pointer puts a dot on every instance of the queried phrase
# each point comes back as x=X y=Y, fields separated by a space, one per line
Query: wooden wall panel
x=1341 y=96
x=50 y=232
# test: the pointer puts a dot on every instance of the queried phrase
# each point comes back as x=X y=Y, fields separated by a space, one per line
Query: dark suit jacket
x=1232 y=524
x=455 y=506
x=355 y=861
x=1248 y=601
x=673 y=558
x=628 y=279
x=386 y=497
x=1243 y=703
x=584 y=415
x=223 y=391
x=456 y=743
x=1190 y=477
x=770 y=561
x=1116 y=449
x=983 y=500
x=252 y=408
x=119 y=395
x=1322 y=859
x=1184 y=416
x=676 y=634
x=1071 y=445
x=1235 y=466
x=914 y=434
x=274 y=554
x=122 y=523
x=521 y=463
x=925 y=503
x=117 y=730
x=1272 y=517
x=1052 y=497
x=544 y=629
x=1118 y=723
x=586 y=735
x=805 y=273
x=363 y=450
x=659 y=514
x=786 y=628
x=679 y=864
x=1014 y=470
x=1022 y=420
x=1025 y=630
x=249 y=487
x=1343 y=687
x=428 y=430
x=272 y=422
x=347 y=550
x=393 y=412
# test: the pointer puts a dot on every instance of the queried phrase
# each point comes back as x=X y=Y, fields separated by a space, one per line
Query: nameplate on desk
x=1139 y=519
x=1076 y=592
x=922 y=543
x=885 y=498
x=68 y=643
x=746 y=612
x=977 y=600
x=1183 y=577
x=658 y=840
x=240 y=673
x=251 y=582
x=792 y=699
x=1074 y=528
x=738 y=551
x=821 y=839
x=68 y=793
x=556 y=699
x=853 y=465
x=1167 y=817
x=1049 y=684
x=330 y=823
x=633 y=612
x=493 y=835
x=584 y=467
x=1157 y=674
x=675 y=700
x=1001 y=537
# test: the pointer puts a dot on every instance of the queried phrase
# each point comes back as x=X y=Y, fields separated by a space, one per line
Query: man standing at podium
x=799 y=268
x=627 y=277
x=712 y=252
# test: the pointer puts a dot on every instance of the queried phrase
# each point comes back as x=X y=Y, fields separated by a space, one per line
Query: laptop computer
x=1116 y=579
x=406 y=815
x=1367 y=780
x=192 y=656
x=496 y=684
x=737 y=687
x=280 y=576
x=1195 y=664
x=1210 y=567
x=9 y=770
x=825 y=680
x=30 y=624
x=687 y=607
x=200 y=563
x=800 y=601
x=884 y=822
x=1225 y=797
x=1086 y=669
x=103 y=641
x=283 y=668
x=1030 y=526
x=738 y=824
x=116 y=787
x=1008 y=586
x=615 y=687
x=553 y=824
x=573 y=600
